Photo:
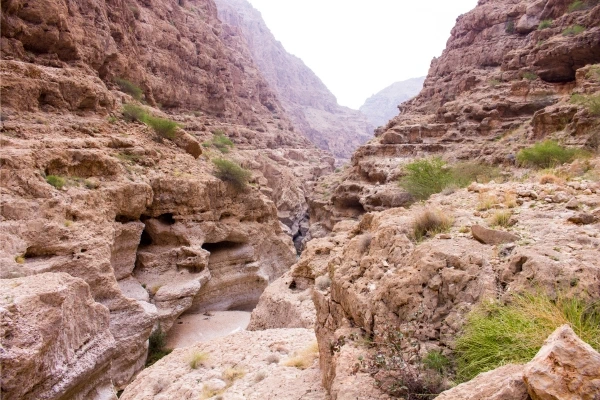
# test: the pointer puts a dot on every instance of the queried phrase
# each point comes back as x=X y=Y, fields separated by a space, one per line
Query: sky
x=358 y=48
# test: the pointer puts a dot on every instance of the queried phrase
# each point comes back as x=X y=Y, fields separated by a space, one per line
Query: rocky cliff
x=138 y=217
x=383 y=105
x=313 y=109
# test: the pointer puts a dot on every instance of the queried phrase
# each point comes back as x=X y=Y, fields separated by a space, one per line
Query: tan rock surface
x=564 y=368
x=258 y=360
x=56 y=342
x=504 y=383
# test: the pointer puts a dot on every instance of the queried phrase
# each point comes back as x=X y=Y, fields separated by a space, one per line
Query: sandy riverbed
x=193 y=328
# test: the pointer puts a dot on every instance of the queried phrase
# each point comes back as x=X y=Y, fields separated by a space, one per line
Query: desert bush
x=398 y=368
x=436 y=361
x=156 y=348
x=272 y=359
x=221 y=142
x=429 y=176
x=56 y=181
x=496 y=334
x=231 y=172
x=20 y=259
x=509 y=27
x=486 y=201
x=573 y=30
x=591 y=102
x=232 y=374
x=530 y=76
x=322 y=282
x=197 y=358
x=163 y=126
x=544 y=24
x=577 y=5
x=546 y=154
x=133 y=112
x=429 y=223
x=130 y=88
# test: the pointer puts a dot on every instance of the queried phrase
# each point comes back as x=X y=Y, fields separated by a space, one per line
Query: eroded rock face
x=56 y=340
x=500 y=84
x=312 y=108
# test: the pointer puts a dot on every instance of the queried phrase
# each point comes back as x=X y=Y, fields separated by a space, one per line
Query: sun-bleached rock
x=565 y=368
x=492 y=236
x=56 y=340
x=504 y=383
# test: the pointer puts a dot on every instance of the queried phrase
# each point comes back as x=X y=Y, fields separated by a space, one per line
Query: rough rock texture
x=504 y=383
x=313 y=109
x=564 y=368
x=140 y=218
x=493 y=91
x=256 y=360
x=381 y=277
x=383 y=105
x=56 y=342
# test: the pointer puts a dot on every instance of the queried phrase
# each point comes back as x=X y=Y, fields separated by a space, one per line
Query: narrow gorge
x=187 y=212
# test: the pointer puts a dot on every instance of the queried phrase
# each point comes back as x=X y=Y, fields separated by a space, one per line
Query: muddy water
x=193 y=328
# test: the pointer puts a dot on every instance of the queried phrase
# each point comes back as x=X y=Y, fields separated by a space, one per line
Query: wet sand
x=192 y=328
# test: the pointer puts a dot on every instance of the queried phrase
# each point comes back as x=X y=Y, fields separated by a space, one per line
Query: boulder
x=504 y=383
x=565 y=368
x=492 y=236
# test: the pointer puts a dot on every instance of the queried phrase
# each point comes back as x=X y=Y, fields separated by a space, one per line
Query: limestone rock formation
x=272 y=364
x=312 y=108
x=140 y=216
x=56 y=341
x=504 y=383
x=496 y=88
x=383 y=105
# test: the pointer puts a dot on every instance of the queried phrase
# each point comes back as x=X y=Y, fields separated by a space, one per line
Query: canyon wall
x=312 y=108
x=137 y=219
x=383 y=105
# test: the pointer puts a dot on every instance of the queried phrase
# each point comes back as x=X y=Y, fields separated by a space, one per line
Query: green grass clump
x=130 y=88
x=436 y=361
x=501 y=218
x=573 y=30
x=156 y=348
x=56 y=181
x=546 y=154
x=232 y=172
x=544 y=24
x=429 y=176
x=133 y=112
x=220 y=141
x=496 y=334
x=530 y=76
x=163 y=126
x=591 y=102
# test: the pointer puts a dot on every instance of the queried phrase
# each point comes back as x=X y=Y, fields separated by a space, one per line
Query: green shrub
x=509 y=27
x=573 y=30
x=130 y=88
x=220 y=141
x=544 y=24
x=426 y=177
x=164 y=127
x=530 y=76
x=429 y=176
x=156 y=347
x=56 y=181
x=546 y=154
x=133 y=112
x=436 y=361
x=591 y=102
x=577 y=5
x=497 y=334
x=231 y=172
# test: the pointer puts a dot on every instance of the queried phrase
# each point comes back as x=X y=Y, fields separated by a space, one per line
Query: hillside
x=383 y=105
x=313 y=109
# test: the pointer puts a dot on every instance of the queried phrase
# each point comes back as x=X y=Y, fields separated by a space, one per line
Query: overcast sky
x=358 y=48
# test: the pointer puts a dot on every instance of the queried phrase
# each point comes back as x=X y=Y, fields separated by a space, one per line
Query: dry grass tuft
x=429 y=223
x=232 y=374
x=510 y=199
x=486 y=201
x=197 y=359
x=304 y=358
x=501 y=218
x=549 y=178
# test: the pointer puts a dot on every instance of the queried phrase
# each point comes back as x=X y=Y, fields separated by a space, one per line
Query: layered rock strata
x=312 y=108
x=141 y=218
x=500 y=84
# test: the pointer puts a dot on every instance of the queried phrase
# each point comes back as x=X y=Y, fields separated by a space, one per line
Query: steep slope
x=500 y=84
x=312 y=107
x=139 y=216
x=383 y=106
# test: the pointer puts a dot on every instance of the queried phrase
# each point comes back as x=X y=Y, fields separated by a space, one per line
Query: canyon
x=115 y=231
